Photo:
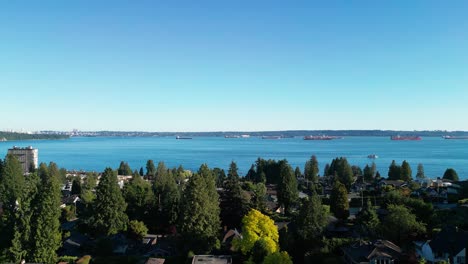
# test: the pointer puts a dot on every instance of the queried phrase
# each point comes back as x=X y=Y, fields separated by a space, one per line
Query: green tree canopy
x=420 y=174
x=46 y=232
x=405 y=171
x=167 y=195
x=451 y=174
x=139 y=197
x=124 y=169
x=109 y=206
x=199 y=211
x=137 y=230
x=311 y=169
x=368 y=220
x=76 y=186
x=400 y=223
x=312 y=219
x=150 y=169
x=394 y=171
x=234 y=204
x=342 y=170
x=287 y=187
x=278 y=258
x=339 y=204
x=257 y=226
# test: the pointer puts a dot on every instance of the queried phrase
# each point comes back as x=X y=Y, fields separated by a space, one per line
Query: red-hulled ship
x=405 y=137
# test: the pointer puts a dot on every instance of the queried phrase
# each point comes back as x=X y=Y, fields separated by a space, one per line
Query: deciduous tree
x=257 y=226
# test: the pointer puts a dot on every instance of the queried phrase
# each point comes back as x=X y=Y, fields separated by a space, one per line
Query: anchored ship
x=323 y=137
x=455 y=137
x=398 y=137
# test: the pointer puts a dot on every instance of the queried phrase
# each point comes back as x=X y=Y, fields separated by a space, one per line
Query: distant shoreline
x=55 y=135
x=283 y=133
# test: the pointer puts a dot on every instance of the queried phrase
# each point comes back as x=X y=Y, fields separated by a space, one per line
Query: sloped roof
x=450 y=240
x=366 y=251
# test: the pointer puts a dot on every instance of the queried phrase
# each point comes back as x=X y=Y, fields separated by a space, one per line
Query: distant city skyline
x=233 y=66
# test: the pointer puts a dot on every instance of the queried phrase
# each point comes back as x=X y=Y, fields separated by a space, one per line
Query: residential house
x=448 y=245
x=377 y=252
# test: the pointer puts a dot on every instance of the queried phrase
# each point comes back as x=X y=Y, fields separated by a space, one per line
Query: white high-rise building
x=27 y=156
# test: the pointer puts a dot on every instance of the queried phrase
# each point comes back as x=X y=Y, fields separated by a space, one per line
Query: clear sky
x=233 y=65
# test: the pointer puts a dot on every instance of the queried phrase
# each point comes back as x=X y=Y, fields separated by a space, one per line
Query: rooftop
x=211 y=259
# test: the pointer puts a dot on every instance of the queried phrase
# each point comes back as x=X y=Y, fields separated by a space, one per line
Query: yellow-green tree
x=257 y=227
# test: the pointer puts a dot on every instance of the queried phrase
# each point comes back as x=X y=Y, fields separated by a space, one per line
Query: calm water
x=96 y=153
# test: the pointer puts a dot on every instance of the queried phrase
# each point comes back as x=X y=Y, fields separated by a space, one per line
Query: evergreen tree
x=394 y=171
x=357 y=171
x=342 y=170
x=250 y=176
x=287 y=188
x=150 y=169
x=167 y=196
x=199 y=213
x=339 y=204
x=109 y=207
x=405 y=171
x=141 y=172
x=368 y=175
x=258 y=200
x=451 y=174
x=11 y=182
x=139 y=197
x=220 y=177
x=420 y=175
x=311 y=220
x=297 y=172
x=311 y=169
x=46 y=234
x=124 y=169
x=12 y=195
x=234 y=204
x=368 y=220
x=76 y=186
x=326 y=170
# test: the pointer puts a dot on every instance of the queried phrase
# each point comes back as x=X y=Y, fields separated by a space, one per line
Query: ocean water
x=97 y=153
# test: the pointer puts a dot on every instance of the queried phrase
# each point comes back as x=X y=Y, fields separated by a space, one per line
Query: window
x=460 y=260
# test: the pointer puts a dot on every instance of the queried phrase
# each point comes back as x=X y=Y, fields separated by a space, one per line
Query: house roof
x=155 y=261
x=211 y=259
x=451 y=240
x=366 y=251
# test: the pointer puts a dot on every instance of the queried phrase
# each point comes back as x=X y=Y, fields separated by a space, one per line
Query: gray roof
x=366 y=251
x=211 y=259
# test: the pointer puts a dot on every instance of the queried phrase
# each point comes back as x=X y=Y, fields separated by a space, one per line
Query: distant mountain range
x=285 y=133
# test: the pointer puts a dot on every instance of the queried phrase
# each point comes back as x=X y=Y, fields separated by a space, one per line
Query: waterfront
x=96 y=153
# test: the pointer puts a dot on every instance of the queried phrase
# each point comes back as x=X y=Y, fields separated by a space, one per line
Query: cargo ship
x=271 y=137
x=179 y=137
x=455 y=137
x=323 y=137
x=398 y=137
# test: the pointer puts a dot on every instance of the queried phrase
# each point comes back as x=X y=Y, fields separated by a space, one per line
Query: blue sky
x=233 y=65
